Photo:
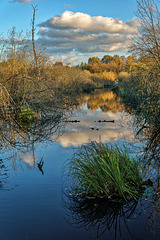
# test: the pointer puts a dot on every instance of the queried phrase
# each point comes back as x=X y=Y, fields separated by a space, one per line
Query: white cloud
x=86 y=34
x=82 y=137
x=85 y=22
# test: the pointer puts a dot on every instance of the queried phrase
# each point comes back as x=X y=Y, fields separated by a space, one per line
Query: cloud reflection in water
x=89 y=129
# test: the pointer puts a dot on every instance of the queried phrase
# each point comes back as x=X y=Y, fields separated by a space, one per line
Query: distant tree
x=84 y=66
x=81 y=65
x=107 y=59
x=117 y=61
x=103 y=67
x=94 y=60
x=95 y=68
x=114 y=65
x=122 y=63
x=130 y=61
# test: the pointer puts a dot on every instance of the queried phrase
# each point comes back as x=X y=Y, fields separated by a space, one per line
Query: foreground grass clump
x=99 y=170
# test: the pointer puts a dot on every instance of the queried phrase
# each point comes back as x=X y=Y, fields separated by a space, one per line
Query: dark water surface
x=32 y=201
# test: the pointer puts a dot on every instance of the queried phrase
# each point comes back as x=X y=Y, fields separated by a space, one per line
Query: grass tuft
x=99 y=170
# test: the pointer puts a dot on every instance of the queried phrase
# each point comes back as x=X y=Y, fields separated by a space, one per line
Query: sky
x=74 y=30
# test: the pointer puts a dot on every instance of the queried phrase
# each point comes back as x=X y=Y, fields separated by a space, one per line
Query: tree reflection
x=40 y=166
x=105 y=100
x=3 y=176
x=148 y=132
x=19 y=136
x=151 y=168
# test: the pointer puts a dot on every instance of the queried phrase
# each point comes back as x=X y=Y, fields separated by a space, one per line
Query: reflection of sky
x=88 y=129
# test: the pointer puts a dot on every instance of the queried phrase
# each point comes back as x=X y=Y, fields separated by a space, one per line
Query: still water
x=33 y=205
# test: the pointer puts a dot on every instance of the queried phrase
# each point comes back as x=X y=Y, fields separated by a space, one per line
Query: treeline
x=115 y=63
x=109 y=63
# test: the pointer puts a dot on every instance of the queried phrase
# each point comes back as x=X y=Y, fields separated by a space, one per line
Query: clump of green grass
x=100 y=170
x=27 y=114
x=26 y=117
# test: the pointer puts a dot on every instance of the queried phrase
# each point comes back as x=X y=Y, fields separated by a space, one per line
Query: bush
x=109 y=76
x=123 y=76
x=98 y=170
x=68 y=79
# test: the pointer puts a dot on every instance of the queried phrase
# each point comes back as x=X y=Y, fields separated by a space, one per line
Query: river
x=33 y=204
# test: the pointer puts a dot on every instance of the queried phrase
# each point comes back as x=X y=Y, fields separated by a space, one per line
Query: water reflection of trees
x=3 y=176
x=147 y=130
x=21 y=135
x=154 y=206
x=151 y=168
x=105 y=100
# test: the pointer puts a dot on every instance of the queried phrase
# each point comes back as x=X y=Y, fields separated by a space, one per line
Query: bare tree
x=33 y=37
x=147 y=40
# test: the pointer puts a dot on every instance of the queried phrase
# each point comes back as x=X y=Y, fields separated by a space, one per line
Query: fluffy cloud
x=82 y=33
x=82 y=137
x=85 y=22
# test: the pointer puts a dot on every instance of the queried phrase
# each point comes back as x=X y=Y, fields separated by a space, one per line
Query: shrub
x=109 y=76
x=123 y=76
x=99 y=170
x=68 y=79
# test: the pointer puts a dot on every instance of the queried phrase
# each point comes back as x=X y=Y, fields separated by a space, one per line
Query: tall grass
x=99 y=170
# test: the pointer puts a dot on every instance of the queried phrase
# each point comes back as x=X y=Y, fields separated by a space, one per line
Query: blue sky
x=73 y=30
